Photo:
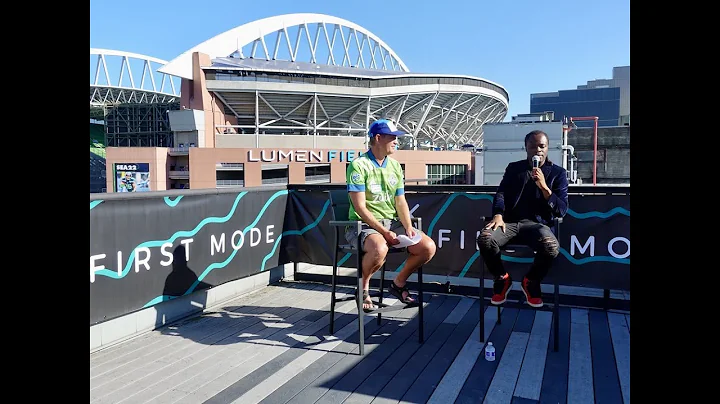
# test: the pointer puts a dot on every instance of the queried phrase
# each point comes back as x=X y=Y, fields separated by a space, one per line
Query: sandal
x=366 y=296
x=398 y=291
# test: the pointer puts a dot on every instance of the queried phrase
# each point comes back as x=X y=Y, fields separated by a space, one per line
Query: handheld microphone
x=536 y=161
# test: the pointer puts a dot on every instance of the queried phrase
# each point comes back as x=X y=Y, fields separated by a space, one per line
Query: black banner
x=147 y=250
x=594 y=236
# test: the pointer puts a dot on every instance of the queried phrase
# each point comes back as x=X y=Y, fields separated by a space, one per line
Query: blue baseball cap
x=384 y=127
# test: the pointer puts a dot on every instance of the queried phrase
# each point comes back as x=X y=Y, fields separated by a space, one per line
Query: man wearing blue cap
x=376 y=187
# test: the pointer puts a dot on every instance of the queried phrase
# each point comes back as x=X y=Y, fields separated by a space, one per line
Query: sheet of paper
x=407 y=241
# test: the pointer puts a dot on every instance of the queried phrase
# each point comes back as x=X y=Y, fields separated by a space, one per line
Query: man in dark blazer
x=527 y=200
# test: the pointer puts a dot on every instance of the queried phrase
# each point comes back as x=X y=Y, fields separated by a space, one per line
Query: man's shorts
x=394 y=225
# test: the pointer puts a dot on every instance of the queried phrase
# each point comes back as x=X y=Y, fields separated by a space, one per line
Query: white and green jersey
x=381 y=183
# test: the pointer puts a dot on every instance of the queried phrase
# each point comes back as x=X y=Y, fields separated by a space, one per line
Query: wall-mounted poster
x=132 y=177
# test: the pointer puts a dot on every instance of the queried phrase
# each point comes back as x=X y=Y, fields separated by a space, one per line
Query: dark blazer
x=510 y=189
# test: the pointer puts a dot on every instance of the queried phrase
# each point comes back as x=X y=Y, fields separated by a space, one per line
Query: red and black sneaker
x=532 y=292
x=501 y=287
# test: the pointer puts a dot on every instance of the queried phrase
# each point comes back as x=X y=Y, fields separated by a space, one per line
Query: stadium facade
x=289 y=99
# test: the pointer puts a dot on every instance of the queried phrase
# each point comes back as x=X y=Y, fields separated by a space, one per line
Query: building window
x=588 y=155
x=315 y=174
x=275 y=174
x=446 y=173
x=229 y=175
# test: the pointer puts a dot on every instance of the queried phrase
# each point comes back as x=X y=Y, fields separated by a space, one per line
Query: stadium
x=254 y=98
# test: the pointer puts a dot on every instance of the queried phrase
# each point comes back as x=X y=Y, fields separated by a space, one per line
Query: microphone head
x=535 y=161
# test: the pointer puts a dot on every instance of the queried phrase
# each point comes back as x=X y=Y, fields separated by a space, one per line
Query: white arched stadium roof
x=125 y=77
x=226 y=43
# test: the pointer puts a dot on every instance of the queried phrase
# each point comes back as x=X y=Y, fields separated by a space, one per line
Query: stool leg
x=382 y=284
x=482 y=305
x=361 y=320
x=556 y=319
x=421 y=326
x=499 y=320
x=606 y=299
x=334 y=285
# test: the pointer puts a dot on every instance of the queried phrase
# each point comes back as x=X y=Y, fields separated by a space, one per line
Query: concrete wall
x=291 y=141
x=504 y=143
x=120 y=329
x=613 y=166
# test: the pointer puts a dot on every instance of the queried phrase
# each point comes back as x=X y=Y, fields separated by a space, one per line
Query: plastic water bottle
x=489 y=352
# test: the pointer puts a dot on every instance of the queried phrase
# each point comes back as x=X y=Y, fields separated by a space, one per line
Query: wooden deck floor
x=272 y=347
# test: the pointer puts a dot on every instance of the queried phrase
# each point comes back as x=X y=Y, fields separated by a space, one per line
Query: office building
x=608 y=99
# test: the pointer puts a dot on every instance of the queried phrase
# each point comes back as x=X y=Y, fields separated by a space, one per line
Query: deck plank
x=452 y=382
x=533 y=367
x=272 y=347
x=604 y=368
x=620 y=334
x=406 y=342
x=236 y=344
x=478 y=382
x=313 y=381
x=580 y=379
x=432 y=374
x=127 y=379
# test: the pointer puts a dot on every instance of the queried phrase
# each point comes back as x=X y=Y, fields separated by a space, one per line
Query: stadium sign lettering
x=301 y=156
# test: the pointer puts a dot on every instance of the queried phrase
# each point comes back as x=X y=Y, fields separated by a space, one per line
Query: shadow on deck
x=272 y=346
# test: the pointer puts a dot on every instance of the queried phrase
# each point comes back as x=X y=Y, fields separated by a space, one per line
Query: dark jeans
x=537 y=236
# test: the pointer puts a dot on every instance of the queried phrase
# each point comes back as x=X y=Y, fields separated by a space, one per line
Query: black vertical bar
x=482 y=302
x=556 y=319
x=606 y=299
x=382 y=282
x=334 y=283
x=420 y=295
x=556 y=299
x=421 y=326
x=361 y=328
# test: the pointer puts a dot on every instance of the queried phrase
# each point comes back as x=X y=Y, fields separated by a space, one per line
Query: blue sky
x=526 y=46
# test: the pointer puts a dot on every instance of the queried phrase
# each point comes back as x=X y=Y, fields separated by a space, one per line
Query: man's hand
x=390 y=237
x=539 y=178
x=410 y=232
x=497 y=221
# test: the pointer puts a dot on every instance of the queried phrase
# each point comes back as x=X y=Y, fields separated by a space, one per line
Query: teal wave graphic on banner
x=172 y=202
x=295 y=233
x=95 y=203
x=602 y=215
x=442 y=211
x=344 y=258
x=469 y=263
x=157 y=243
x=300 y=232
x=585 y=215
x=529 y=260
x=223 y=264
x=449 y=201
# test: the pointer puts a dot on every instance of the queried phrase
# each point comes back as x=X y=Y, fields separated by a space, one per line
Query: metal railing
x=317 y=178
x=177 y=173
x=230 y=183
x=268 y=181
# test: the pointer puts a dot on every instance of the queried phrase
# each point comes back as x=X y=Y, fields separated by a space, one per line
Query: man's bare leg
x=376 y=249
x=420 y=254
